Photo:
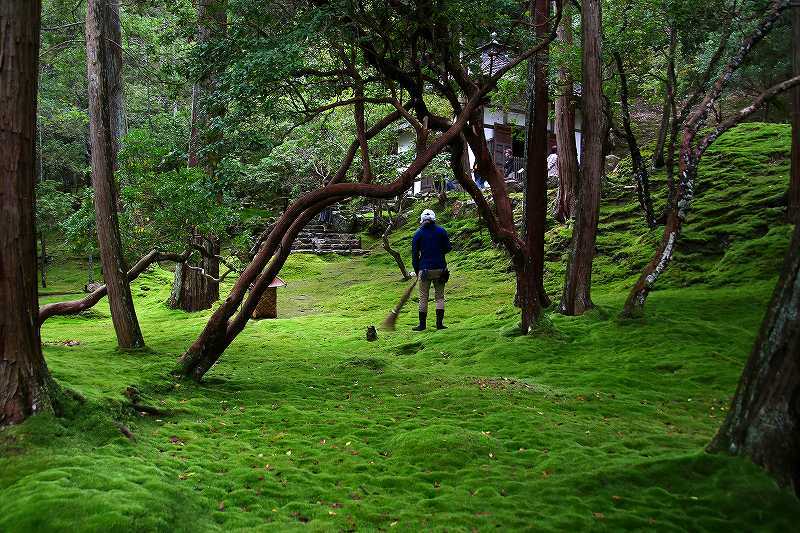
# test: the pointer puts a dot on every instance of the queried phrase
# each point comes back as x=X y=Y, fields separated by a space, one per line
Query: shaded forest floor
x=591 y=424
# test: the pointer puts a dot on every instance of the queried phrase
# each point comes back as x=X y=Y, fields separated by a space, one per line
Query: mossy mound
x=441 y=446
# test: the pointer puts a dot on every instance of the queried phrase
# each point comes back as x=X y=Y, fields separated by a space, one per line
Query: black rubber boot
x=423 y=317
x=440 y=319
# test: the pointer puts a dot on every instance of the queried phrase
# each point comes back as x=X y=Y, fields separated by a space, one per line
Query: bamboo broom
x=391 y=320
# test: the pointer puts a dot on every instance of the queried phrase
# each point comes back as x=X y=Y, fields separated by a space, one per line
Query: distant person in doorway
x=508 y=164
x=428 y=248
x=552 y=165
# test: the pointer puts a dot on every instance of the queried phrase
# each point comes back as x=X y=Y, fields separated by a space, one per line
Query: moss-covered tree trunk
x=25 y=383
x=764 y=420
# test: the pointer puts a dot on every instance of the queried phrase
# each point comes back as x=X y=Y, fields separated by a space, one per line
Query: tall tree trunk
x=535 y=201
x=565 y=131
x=113 y=73
x=43 y=264
x=669 y=101
x=576 y=297
x=794 y=183
x=640 y=173
x=25 y=384
x=123 y=313
x=194 y=291
x=764 y=420
x=500 y=222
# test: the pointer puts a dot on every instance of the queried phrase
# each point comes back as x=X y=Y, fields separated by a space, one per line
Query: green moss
x=594 y=423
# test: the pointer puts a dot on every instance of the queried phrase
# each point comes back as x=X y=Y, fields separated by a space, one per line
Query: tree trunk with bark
x=500 y=223
x=194 y=288
x=565 y=132
x=194 y=291
x=576 y=297
x=113 y=72
x=794 y=181
x=26 y=387
x=641 y=175
x=101 y=134
x=393 y=223
x=764 y=419
x=663 y=128
x=669 y=101
x=535 y=200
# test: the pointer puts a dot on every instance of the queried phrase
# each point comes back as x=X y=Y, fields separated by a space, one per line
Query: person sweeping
x=428 y=248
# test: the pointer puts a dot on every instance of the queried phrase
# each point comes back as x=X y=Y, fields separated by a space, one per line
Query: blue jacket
x=428 y=247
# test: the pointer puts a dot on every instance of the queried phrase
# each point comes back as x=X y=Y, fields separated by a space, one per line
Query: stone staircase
x=315 y=239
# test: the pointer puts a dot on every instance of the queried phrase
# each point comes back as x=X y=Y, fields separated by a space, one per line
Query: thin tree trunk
x=43 y=264
x=764 y=420
x=669 y=101
x=26 y=387
x=663 y=128
x=176 y=293
x=194 y=290
x=640 y=174
x=390 y=227
x=91 y=270
x=565 y=132
x=123 y=313
x=794 y=182
x=576 y=298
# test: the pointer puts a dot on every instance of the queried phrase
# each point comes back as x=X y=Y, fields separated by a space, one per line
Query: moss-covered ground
x=593 y=423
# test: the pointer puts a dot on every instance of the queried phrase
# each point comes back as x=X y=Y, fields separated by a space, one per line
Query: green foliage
x=80 y=233
x=164 y=199
x=52 y=206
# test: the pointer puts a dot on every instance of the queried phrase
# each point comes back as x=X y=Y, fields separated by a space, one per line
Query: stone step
x=351 y=251
x=314 y=227
x=309 y=235
x=328 y=245
x=327 y=239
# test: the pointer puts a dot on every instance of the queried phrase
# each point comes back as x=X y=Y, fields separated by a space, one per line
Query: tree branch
x=74 y=307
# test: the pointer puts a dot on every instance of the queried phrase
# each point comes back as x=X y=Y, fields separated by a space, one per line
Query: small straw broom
x=391 y=320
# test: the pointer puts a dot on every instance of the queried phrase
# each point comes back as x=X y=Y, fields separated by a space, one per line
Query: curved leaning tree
x=328 y=54
x=694 y=144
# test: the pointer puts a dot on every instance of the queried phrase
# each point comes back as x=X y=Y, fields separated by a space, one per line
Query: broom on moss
x=391 y=320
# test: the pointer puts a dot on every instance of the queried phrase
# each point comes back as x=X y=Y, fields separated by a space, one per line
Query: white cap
x=427 y=216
